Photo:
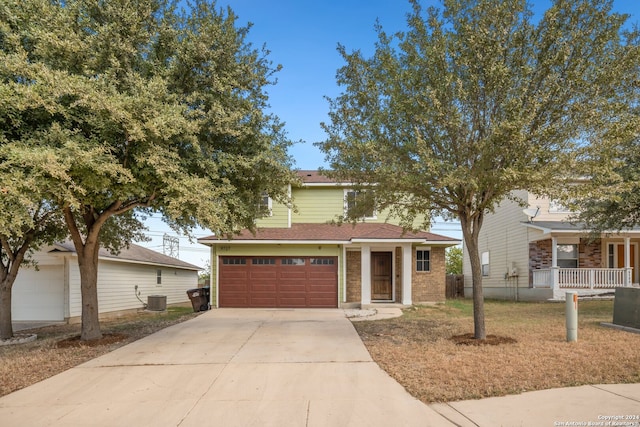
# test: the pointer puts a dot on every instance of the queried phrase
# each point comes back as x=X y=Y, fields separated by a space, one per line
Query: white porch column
x=365 y=275
x=555 y=271
x=627 y=261
x=407 y=256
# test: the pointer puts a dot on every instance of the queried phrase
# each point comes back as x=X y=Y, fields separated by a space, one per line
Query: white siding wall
x=505 y=238
x=116 y=285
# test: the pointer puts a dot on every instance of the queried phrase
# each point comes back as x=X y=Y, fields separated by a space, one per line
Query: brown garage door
x=292 y=282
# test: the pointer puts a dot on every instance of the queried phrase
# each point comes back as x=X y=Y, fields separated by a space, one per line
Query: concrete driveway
x=228 y=368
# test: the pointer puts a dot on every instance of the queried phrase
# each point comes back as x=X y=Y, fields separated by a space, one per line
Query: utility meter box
x=626 y=307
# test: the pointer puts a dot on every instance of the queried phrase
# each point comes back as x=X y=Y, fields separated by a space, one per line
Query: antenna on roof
x=531 y=212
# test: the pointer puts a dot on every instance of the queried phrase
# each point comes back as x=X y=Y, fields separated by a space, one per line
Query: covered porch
x=564 y=258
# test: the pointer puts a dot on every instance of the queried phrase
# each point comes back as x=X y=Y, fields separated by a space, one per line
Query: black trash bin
x=199 y=299
x=207 y=297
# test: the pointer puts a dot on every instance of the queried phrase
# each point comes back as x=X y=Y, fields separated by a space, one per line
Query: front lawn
x=416 y=349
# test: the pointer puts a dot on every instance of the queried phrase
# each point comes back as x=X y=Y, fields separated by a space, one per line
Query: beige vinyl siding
x=117 y=280
x=545 y=214
x=505 y=238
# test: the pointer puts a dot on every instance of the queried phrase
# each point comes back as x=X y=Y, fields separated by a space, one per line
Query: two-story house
x=302 y=258
x=537 y=254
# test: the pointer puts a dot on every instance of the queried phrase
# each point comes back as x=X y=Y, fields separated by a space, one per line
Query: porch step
x=383 y=305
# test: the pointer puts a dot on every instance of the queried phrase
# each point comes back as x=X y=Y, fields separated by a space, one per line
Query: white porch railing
x=542 y=278
x=582 y=278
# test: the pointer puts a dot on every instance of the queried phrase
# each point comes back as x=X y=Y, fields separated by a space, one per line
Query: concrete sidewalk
x=597 y=405
x=279 y=368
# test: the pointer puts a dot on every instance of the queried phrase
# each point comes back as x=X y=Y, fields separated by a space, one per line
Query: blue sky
x=303 y=36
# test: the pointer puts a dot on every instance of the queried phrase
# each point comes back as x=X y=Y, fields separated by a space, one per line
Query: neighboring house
x=536 y=254
x=52 y=291
x=301 y=259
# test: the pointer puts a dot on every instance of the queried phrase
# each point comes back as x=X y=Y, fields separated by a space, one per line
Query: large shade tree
x=142 y=108
x=478 y=99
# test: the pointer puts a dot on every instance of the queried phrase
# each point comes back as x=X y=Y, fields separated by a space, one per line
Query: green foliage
x=138 y=107
x=610 y=199
x=475 y=101
x=453 y=260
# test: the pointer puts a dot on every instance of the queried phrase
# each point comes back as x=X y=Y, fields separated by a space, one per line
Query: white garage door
x=38 y=295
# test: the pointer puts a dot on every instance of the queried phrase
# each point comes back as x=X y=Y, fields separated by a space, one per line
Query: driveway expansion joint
x=615 y=394
x=458 y=412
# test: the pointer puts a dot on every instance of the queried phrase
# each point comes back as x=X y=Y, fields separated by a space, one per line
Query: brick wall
x=429 y=286
x=354 y=262
x=590 y=254
x=540 y=254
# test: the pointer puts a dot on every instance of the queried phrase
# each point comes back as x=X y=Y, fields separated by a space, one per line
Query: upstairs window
x=266 y=205
x=556 y=207
x=359 y=204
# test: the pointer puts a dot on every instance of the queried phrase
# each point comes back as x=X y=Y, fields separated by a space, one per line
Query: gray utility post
x=571 y=313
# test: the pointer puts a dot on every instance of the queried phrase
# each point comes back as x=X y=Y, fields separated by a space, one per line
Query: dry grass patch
x=26 y=364
x=416 y=349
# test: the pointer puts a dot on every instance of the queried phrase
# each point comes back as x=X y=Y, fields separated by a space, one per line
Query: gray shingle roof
x=137 y=254
x=314 y=177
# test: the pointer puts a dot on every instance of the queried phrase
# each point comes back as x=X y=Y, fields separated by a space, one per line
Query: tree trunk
x=88 y=265
x=470 y=232
x=8 y=275
x=6 y=328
